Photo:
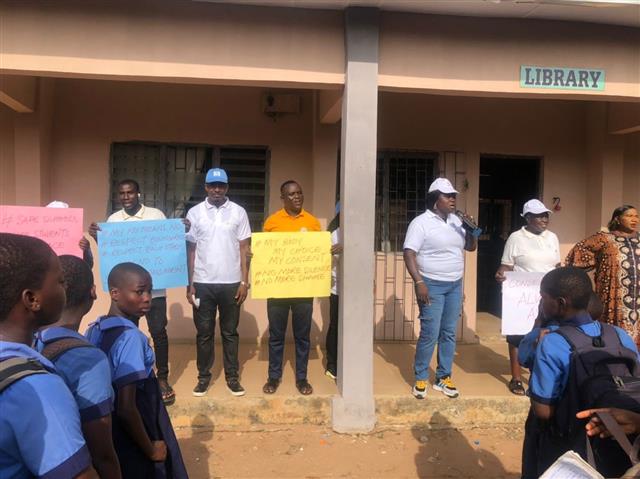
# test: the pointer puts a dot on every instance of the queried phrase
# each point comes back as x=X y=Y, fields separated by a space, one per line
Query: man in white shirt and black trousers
x=133 y=210
x=217 y=253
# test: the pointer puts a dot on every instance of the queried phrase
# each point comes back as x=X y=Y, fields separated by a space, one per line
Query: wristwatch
x=248 y=285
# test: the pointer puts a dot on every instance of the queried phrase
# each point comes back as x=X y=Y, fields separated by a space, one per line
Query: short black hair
x=119 y=271
x=129 y=181
x=24 y=263
x=78 y=280
x=570 y=283
x=617 y=213
x=432 y=198
x=287 y=183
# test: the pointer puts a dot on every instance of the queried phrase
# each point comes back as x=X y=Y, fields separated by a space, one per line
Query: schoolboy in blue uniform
x=565 y=296
x=40 y=431
x=84 y=368
x=142 y=433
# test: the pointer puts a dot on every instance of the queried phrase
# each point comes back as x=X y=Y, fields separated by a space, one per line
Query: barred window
x=171 y=176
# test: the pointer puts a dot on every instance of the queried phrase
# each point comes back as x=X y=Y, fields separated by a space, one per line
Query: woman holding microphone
x=434 y=256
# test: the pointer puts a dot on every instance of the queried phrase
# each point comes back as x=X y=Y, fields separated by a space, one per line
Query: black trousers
x=278 y=314
x=332 y=335
x=157 y=323
x=216 y=298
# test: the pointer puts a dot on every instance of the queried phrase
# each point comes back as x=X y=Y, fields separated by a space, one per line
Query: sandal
x=516 y=387
x=168 y=394
x=271 y=386
x=304 y=387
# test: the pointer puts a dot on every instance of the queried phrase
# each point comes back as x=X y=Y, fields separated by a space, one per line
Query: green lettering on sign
x=561 y=78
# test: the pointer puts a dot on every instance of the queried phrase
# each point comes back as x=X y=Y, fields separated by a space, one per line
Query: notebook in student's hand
x=571 y=466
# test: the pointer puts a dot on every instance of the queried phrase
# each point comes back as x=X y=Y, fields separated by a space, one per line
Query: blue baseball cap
x=216 y=175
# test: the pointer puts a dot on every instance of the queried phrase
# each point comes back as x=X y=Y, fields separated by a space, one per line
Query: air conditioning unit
x=274 y=104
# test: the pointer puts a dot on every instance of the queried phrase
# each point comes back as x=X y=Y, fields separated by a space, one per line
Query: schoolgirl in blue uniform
x=40 y=431
x=142 y=433
x=84 y=368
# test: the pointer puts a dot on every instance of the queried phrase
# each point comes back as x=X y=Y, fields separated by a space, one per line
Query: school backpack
x=16 y=368
x=53 y=349
x=602 y=373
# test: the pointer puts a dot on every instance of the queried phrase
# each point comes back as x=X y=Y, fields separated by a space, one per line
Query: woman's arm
x=500 y=274
x=411 y=262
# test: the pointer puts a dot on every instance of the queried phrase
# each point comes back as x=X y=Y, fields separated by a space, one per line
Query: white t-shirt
x=335 y=260
x=528 y=252
x=145 y=213
x=439 y=245
x=217 y=233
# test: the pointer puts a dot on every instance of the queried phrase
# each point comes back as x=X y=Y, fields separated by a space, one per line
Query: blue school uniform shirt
x=130 y=357
x=40 y=433
x=552 y=359
x=86 y=372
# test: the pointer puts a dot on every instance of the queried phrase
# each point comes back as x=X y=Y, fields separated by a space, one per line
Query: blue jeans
x=438 y=323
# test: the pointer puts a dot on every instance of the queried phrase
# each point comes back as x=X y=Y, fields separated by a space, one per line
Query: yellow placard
x=291 y=265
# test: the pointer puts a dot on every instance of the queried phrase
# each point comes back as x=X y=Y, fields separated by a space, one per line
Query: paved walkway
x=481 y=372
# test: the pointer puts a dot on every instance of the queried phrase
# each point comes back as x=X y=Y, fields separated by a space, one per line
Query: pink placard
x=60 y=227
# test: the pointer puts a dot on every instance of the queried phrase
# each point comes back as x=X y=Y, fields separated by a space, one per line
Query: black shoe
x=235 y=387
x=201 y=388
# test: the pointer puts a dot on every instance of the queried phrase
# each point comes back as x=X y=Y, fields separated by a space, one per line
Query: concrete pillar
x=605 y=155
x=354 y=408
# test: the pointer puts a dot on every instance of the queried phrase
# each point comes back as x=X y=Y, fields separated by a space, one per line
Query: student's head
x=79 y=285
x=129 y=193
x=216 y=185
x=292 y=196
x=130 y=289
x=565 y=292
x=31 y=281
x=624 y=218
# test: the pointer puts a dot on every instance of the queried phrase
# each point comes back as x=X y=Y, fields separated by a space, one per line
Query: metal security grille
x=403 y=178
x=171 y=176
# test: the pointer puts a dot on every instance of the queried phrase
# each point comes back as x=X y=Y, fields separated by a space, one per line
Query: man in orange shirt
x=291 y=218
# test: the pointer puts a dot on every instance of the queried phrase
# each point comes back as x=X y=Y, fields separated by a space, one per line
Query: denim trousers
x=438 y=323
x=216 y=298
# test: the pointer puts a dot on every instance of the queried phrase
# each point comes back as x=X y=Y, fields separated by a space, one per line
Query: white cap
x=535 y=207
x=443 y=186
x=57 y=204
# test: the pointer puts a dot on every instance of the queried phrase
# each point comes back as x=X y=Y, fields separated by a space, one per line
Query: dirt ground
x=318 y=452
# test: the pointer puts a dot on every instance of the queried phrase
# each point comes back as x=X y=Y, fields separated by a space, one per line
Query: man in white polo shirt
x=133 y=210
x=217 y=252
x=434 y=256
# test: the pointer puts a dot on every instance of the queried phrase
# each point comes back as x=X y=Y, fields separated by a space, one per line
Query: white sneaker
x=420 y=389
x=446 y=387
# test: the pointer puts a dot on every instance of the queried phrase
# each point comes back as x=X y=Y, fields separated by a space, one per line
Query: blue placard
x=157 y=245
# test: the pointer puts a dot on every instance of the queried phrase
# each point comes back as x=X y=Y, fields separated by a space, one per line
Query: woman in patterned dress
x=615 y=256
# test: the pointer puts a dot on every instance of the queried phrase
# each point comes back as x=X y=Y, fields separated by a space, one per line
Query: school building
x=363 y=100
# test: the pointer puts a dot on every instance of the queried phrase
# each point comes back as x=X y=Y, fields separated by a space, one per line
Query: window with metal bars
x=403 y=179
x=171 y=176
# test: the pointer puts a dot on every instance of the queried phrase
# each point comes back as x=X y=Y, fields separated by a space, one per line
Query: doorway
x=506 y=183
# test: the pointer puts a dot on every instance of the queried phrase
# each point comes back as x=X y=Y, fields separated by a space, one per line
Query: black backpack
x=14 y=369
x=602 y=373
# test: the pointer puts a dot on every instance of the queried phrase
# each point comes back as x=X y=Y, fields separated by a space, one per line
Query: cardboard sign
x=159 y=246
x=291 y=265
x=520 y=302
x=61 y=228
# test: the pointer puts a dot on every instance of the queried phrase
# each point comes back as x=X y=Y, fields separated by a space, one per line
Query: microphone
x=468 y=224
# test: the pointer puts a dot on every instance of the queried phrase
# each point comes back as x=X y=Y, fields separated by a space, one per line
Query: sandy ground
x=318 y=452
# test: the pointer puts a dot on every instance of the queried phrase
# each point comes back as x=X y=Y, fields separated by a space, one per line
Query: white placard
x=520 y=300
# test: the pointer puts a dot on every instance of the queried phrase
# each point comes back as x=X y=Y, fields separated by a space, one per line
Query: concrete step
x=436 y=411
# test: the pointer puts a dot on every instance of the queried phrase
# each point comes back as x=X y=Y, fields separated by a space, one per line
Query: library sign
x=561 y=78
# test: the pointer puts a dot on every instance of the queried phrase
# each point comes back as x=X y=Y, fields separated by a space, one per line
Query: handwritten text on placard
x=291 y=265
x=158 y=246
x=61 y=228
x=520 y=301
